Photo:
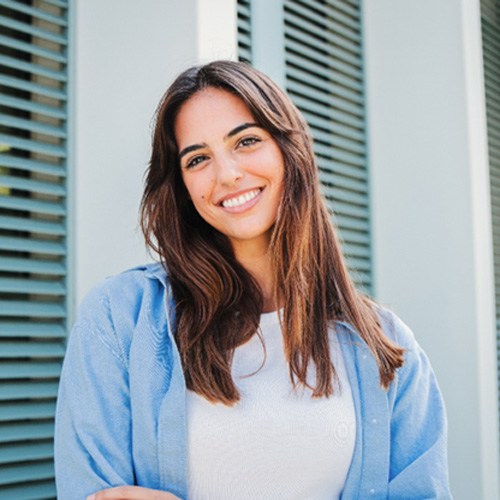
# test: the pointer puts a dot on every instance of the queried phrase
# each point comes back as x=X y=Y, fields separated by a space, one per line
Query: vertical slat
x=244 y=31
x=33 y=89
x=490 y=23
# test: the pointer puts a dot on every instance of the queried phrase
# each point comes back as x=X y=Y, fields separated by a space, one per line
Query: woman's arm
x=418 y=466
x=93 y=425
x=131 y=493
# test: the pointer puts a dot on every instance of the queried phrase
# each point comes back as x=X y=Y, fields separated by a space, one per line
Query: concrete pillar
x=431 y=211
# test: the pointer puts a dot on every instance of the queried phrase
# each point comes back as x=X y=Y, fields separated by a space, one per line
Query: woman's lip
x=245 y=206
x=237 y=194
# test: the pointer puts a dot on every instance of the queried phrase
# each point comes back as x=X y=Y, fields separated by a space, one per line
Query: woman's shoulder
x=124 y=289
x=114 y=308
x=395 y=328
x=392 y=326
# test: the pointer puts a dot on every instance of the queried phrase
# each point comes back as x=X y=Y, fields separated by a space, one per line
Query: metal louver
x=33 y=81
x=324 y=77
x=490 y=26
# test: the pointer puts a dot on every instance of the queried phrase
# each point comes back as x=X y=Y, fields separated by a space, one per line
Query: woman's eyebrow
x=231 y=133
x=188 y=149
x=239 y=128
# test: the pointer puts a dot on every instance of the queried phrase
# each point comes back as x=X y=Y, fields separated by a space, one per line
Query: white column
x=125 y=55
x=432 y=249
x=217 y=30
x=268 y=39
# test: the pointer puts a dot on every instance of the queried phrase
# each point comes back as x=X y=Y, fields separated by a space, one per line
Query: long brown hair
x=218 y=303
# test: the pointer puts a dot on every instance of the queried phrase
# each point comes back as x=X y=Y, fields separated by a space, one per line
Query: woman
x=252 y=368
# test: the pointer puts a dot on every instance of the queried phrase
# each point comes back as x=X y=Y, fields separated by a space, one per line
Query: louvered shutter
x=244 y=31
x=33 y=82
x=490 y=23
x=324 y=77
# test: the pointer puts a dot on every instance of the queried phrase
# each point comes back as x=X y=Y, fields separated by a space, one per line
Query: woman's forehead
x=210 y=112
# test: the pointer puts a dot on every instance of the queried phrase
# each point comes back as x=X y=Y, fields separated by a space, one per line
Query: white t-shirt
x=277 y=442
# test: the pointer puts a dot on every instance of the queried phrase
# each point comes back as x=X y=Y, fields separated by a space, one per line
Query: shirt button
x=374 y=421
x=364 y=356
x=372 y=491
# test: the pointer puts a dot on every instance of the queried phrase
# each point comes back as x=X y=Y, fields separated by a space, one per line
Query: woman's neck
x=257 y=261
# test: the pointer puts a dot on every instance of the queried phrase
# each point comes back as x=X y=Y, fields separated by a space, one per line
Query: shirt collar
x=156 y=270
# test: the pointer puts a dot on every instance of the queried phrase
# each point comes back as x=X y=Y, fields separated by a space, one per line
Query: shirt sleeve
x=418 y=465
x=93 y=428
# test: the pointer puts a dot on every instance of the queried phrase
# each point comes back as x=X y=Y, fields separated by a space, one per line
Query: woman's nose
x=229 y=171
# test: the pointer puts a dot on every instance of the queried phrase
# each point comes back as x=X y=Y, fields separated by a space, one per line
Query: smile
x=237 y=201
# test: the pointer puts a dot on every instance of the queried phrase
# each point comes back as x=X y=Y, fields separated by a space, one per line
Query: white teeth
x=240 y=200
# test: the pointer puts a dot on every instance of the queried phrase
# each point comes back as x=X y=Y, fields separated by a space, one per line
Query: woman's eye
x=193 y=162
x=248 y=141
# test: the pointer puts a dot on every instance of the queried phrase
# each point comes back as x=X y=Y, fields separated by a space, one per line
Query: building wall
x=431 y=224
x=431 y=211
x=427 y=155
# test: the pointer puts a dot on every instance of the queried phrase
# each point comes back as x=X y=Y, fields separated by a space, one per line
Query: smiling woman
x=245 y=364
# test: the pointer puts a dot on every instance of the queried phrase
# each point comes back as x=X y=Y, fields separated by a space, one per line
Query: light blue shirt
x=121 y=412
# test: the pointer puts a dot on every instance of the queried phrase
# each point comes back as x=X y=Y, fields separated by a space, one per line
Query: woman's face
x=232 y=168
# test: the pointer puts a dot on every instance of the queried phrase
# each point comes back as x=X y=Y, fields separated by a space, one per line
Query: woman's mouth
x=242 y=199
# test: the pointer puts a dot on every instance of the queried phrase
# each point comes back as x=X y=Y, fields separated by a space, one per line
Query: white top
x=276 y=443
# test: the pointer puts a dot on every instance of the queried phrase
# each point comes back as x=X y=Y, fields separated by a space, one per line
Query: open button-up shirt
x=121 y=413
